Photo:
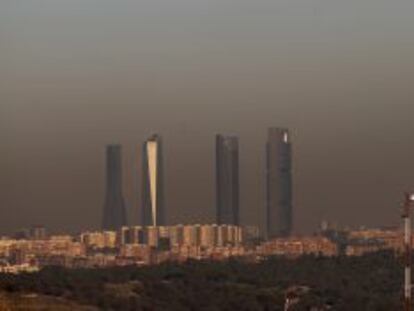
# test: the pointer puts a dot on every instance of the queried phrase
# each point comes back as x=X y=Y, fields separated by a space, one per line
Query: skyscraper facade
x=153 y=213
x=227 y=180
x=278 y=183
x=114 y=214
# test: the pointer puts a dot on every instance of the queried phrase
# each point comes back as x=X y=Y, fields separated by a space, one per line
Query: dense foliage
x=371 y=282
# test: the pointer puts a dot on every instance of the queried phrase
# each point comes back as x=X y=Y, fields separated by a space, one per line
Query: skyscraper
x=278 y=183
x=114 y=214
x=152 y=184
x=227 y=179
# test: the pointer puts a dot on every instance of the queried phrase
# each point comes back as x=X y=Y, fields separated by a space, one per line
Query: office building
x=137 y=235
x=176 y=235
x=123 y=236
x=38 y=232
x=153 y=213
x=153 y=236
x=208 y=235
x=278 y=183
x=227 y=180
x=191 y=235
x=114 y=213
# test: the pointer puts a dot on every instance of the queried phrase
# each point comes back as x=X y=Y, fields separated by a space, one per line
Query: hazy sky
x=76 y=75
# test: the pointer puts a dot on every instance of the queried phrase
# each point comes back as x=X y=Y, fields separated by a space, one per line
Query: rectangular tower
x=114 y=214
x=152 y=183
x=278 y=183
x=227 y=180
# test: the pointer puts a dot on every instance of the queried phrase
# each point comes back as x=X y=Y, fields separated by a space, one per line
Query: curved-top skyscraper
x=278 y=183
x=153 y=213
x=114 y=214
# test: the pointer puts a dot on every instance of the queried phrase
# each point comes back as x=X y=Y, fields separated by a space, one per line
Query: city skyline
x=76 y=76
x=190 y=216
x=278 y=177
x=206 y=155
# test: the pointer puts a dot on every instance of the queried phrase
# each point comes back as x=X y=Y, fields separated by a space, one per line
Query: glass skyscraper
x=114 y=213
x=278 y=183
x=153 y=213
x=227 y=180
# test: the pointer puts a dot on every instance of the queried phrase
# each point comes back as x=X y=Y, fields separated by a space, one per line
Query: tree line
x=369 y=282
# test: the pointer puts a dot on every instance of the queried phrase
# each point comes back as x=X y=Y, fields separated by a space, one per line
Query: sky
x=77 y=75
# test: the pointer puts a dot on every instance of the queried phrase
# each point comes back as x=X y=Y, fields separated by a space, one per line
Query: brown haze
x=77 y=75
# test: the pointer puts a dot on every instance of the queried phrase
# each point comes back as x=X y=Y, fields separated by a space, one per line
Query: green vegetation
x=371 y=282
x=34 y=302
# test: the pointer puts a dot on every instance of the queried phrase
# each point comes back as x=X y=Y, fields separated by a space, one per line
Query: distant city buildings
x=114 y=213
x=227 y=180
x=125 y=246
x=278 y=183
x=208 y=235
x=294 y=247
x=153 y=213
x=38 y=232
x=154 y=241
x=146 y=245
x=99 y=239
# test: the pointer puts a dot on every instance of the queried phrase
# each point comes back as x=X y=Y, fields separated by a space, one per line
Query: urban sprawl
x=155 y=241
